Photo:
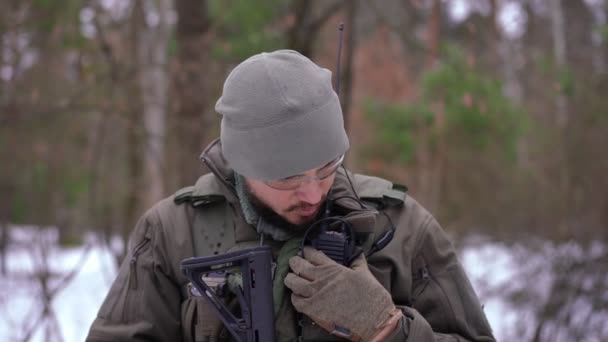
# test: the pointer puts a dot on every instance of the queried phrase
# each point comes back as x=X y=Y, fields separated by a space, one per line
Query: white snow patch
x=497 y=271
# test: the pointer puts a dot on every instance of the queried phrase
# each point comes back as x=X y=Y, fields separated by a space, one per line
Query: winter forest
x=494 y=113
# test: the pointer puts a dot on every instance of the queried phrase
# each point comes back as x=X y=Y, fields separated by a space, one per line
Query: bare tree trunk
x=4 y=241
x=604 y=49
x=348 y=67
x=433 y=29
x=512 y=52
x=432 y=160
x=507 y=54
x=295 y=38
x=599 y=61
x=134 y=133
x=5 y=183
x=559 y=53
x=561 y=104
x=153 y=81
x=308 y=24
x=99 y=137
x=192 y=94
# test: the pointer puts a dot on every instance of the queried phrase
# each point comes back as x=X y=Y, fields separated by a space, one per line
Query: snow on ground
x=76 y=302
x=514 y=283
x=495 y=270
x=490 y=265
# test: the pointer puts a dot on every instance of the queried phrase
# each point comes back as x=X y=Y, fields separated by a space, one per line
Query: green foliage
x=75 y=185
x=48 y=15
x=476 y=110
x=172 y=45
x=476 y=114
x=565 y=80
x=39 y=175
x=245 y=27
x=30 y=186
x=396 y=125
x=562 y=76
x=42 y=3
x=18 y=212
x=603 y=31
x=75 y=40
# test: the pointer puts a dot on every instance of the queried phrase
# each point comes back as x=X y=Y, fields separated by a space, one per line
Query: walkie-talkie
x=334 y=236
x=338 y=245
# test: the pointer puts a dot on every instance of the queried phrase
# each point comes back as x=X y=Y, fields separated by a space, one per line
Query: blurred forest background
x=493 y=112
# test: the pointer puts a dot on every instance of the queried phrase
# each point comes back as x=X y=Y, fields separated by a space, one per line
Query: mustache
x=304 y=205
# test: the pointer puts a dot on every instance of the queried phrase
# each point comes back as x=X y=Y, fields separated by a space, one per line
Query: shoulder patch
x=396 y=195
x=380 y=192
x=183 y=195
x=188 y=195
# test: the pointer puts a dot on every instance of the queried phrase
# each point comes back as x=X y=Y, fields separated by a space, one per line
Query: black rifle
x=254 y=295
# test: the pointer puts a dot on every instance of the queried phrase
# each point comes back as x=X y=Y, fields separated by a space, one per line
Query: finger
x=298 y=285
x=316 y=257
x=301 y=304
x=302 y=267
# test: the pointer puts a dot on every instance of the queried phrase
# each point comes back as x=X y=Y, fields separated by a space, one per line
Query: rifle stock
x=255 y=295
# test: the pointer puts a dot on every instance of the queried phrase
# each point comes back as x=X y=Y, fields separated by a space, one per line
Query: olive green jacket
x=150 y=301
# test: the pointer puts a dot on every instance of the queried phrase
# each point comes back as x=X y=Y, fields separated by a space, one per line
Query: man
x=275 y=171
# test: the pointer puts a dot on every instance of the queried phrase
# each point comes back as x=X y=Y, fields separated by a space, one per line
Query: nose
x=310 y=191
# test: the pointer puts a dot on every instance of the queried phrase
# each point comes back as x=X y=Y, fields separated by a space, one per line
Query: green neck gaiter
x=253 y=218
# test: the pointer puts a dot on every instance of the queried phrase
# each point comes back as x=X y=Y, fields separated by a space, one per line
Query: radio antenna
x=340 y=32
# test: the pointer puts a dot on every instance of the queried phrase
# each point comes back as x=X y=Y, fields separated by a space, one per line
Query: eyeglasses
x=294 y=182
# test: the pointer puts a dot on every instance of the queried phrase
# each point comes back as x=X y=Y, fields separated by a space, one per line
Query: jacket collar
x=214 y=160
x=342 y=195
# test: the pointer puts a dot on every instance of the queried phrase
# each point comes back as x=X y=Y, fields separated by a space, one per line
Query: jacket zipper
x=133 y=263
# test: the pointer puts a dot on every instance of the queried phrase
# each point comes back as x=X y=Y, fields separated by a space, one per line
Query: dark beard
x=276 y=220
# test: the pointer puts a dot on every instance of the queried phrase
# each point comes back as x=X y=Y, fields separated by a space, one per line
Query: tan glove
x=348 y=302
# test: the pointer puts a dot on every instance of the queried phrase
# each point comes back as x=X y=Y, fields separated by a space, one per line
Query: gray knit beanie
x=280 y=116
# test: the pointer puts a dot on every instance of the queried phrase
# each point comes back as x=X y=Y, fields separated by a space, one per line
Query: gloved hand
x=348 y=302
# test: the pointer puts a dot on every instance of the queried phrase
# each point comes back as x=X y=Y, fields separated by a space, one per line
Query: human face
x=300 y=205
